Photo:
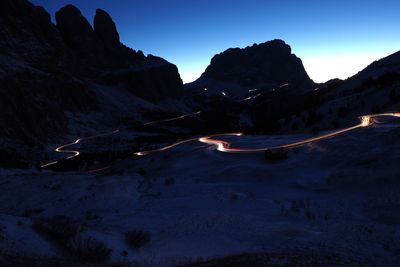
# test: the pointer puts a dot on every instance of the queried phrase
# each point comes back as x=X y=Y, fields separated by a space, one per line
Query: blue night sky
x=333 y=38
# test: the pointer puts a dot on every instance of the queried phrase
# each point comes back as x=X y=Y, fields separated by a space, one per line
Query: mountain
x=265 y=67
x=374 y=89
x=377 y=69
x=265 y=89
x=48 y=71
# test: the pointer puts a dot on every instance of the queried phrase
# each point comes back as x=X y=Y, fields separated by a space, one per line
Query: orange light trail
x=225 y=146
x=76 y=153
x=173 y=119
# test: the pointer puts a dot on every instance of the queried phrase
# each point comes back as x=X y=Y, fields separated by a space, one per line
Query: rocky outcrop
x=98 y=52
x=106 y=30
x=35 y=90
x=264 y=66
x=27 y=34
x=153 y=82
x=45 y=69
x=79 y=36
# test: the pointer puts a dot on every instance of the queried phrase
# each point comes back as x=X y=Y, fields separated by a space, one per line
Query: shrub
x=137 y=238
x=30 y=212
x=89 y=249
x=23 y=260
x=392 y=95
x=376 y=109
x=59 y=229
x=275 y=154
x=169 y=181
x=342 y=112
x=64 y=233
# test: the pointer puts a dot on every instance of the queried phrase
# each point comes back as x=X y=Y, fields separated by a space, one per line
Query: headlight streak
x=224 y=146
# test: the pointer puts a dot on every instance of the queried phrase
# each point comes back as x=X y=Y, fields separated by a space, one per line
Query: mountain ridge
x=46 y=70
x=263 y=66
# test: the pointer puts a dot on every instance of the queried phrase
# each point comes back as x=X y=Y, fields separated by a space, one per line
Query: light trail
x=173 y=119
x=144 y=153
x=221 y=145
x=75 y=153
x=284 y=85
x=225 y=146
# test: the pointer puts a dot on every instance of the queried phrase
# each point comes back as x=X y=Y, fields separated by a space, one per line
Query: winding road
x=224 y=146
x=221 y=145
x=75 y=153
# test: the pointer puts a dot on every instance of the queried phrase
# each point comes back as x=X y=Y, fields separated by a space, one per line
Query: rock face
x=45 y=69
x=35 y=91
x=264 y=66
x=98 y=52
x=106 y=30
x=79 y=36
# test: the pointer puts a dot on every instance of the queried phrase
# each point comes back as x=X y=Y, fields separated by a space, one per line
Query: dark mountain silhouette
x=45 y=69
x=300 y=106
x=264 y=66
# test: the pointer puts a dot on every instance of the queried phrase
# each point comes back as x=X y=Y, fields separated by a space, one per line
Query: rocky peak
x=79 y=35
x=27 y=31
x=263 y=66
x=73 y=24
x=106 y=30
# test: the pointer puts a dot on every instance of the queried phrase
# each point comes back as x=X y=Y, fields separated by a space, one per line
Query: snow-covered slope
x=339 y=196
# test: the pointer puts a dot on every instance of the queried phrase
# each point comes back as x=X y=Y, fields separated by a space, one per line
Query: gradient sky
x=333 y=38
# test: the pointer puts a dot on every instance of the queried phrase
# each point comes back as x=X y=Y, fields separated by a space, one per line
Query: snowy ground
x=338 y=196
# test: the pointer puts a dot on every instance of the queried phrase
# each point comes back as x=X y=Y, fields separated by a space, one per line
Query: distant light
x=316 y=89
x=365 y=121
x=283 y=85
x=223 y=93
x=252 y=90
x=205 y=89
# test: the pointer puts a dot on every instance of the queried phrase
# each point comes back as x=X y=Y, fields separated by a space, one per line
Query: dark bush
x=169 y=181
x=89 y=249
x=342 y=112
x=137 y=238
x=59 y=229
x=295 y=127
x=64 y=233
x=23 y=260
x=392 y=95
x=275 y=154
x=376 y=109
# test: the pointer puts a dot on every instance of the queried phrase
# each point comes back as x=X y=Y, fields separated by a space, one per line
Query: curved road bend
x=75 y=153
x=221 y=145
x=173 y=119
x=225 y=146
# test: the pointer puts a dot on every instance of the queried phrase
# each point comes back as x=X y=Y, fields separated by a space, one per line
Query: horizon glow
x=334 y=39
